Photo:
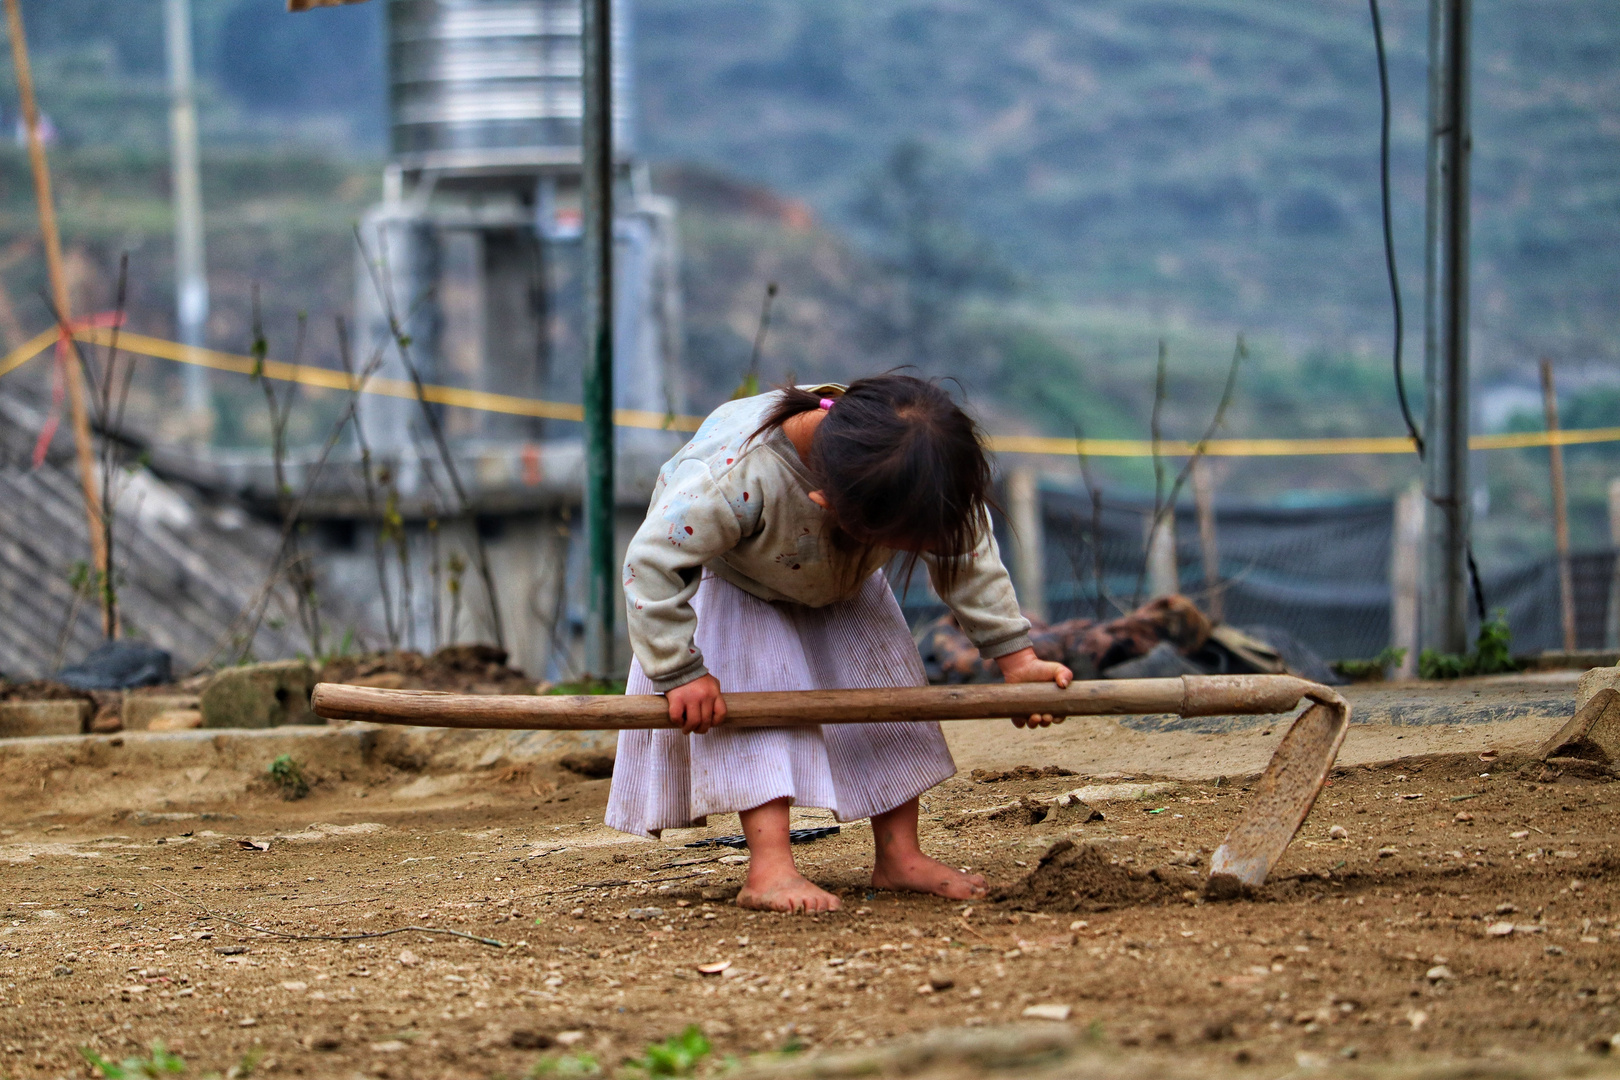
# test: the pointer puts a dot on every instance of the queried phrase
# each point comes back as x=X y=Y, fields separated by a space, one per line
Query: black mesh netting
x=1320 y=573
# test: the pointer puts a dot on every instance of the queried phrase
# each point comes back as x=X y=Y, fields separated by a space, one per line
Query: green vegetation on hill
x=1208 y=159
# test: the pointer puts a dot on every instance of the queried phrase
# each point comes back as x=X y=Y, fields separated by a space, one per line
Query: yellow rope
x=511 y=405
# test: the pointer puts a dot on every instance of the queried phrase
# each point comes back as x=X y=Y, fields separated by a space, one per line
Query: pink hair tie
x=826 y=403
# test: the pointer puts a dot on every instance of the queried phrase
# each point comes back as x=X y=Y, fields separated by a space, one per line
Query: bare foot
x=790 y=892
x=916 y=872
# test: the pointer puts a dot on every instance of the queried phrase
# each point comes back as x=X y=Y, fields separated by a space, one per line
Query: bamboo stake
x=1566 y=579
x=1204 y=500
x=1611 y=624
x=59 y=290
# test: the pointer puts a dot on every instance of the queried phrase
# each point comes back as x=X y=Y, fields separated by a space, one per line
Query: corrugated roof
x=187 y=566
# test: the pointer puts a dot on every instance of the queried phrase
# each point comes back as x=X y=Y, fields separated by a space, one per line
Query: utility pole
x=191 y=280
x=1443 y=618
x=71 y=374
x=597 y=197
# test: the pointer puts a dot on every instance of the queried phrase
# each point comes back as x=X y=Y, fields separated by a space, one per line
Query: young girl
x=760 y=567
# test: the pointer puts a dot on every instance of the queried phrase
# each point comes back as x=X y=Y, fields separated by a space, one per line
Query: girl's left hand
x=1025 y=666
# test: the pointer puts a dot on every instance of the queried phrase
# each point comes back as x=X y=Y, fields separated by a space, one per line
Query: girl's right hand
x=697 y=706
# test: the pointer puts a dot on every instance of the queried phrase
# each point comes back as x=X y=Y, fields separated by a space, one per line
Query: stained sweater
x=741 y=508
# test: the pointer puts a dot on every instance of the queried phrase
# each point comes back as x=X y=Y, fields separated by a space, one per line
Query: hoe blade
x=1284 y=796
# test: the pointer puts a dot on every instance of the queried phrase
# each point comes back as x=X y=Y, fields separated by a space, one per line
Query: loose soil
x=1389 y=944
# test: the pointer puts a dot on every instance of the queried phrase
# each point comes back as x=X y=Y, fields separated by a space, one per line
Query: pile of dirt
x=1019 y=772
x=1080 y=877
x=457 y=669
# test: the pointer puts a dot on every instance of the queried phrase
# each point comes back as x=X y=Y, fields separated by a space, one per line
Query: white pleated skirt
x=664 y=779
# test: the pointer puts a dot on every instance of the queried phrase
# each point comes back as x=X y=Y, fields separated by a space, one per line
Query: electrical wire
x=1389 y=227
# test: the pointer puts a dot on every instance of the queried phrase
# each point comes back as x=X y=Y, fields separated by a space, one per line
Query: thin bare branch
x=402 y=342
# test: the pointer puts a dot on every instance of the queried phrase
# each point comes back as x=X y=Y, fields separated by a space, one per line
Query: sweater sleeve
x=689 y=523
x=983 y=599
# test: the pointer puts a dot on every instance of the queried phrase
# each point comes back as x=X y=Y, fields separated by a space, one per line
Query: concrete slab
x=20 y=719
x=1389 y=721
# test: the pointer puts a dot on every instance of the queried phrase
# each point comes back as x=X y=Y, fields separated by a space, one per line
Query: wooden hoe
x=1282 y=799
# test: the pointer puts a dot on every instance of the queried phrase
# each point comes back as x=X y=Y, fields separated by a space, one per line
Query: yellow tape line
x=511 y=405
x=17 y=357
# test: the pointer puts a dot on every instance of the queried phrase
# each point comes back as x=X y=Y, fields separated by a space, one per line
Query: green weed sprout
x=1371 y=669
x=289 y=777
x=566 y=1065
x=677 y=1055
x=136 y=1068
x=1491 y=654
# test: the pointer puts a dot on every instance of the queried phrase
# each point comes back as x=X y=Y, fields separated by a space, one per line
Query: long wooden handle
x=1189 y=695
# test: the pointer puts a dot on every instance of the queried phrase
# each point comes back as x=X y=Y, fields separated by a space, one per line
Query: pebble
x=230 y=950
x=1463 y=817
x=1048 y=1012
x=1499 y=929
x=1388 y=852
x=733 y=860
x=1520 y=835
x=569 y=1038
x=640 y=913
x=1338 y=832
x=408 y=958
x=1438 y=972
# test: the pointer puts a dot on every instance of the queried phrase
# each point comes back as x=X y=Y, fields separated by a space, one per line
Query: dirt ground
x=1467 y=913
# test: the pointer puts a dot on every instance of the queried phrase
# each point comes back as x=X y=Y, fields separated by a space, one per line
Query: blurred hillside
x=1025 y=194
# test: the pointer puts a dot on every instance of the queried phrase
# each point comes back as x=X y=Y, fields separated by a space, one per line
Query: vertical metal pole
x=597 y=192
x=1566 y=577
x=59 y=290
x=1443 y=619
x=190 y=275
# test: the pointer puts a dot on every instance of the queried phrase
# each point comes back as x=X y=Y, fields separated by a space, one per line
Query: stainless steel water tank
x=490 y=86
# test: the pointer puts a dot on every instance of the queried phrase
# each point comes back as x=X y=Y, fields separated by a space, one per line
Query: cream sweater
x=744 y=513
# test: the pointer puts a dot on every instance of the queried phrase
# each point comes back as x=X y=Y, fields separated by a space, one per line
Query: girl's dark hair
x=901 y=466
